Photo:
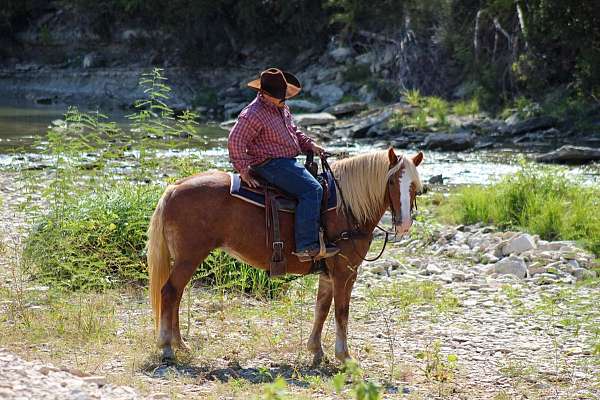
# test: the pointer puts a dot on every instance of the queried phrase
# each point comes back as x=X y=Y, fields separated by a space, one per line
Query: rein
x=350 y=235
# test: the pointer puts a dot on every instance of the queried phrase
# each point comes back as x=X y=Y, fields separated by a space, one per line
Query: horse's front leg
x=322 y=306
x=343 y=281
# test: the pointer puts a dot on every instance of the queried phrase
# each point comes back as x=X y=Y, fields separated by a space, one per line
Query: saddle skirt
x=287 y=203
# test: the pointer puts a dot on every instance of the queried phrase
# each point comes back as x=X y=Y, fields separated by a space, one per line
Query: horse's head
x=403 y=187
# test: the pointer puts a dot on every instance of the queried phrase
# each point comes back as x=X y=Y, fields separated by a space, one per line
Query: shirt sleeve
x=242 y=133
x=304 y=140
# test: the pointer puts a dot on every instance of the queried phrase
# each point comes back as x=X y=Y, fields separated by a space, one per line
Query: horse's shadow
x=293 y=374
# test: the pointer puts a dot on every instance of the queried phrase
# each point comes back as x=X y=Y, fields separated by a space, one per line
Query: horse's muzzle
x=403 y=228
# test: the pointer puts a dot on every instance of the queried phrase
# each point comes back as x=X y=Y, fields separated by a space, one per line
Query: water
x=21 y=126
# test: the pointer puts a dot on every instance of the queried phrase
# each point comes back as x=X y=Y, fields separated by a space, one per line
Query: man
x=265 y=141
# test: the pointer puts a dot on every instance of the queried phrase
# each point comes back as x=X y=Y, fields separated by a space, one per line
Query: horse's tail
x=159 y=259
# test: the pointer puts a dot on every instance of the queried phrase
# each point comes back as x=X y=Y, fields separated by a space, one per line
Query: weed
x=466 y=108
x=413 y=97
x=436 y=366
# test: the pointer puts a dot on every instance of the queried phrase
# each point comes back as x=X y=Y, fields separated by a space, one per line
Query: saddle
x=275 y=201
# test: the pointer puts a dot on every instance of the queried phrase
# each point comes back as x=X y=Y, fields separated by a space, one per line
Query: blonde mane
x=363 y=182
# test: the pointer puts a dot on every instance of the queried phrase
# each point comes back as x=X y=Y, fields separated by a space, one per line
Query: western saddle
x=273 y=199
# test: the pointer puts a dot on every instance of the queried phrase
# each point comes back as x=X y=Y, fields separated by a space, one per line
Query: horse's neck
x=369 y=226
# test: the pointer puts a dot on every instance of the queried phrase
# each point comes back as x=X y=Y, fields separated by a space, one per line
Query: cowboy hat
x=277 y=83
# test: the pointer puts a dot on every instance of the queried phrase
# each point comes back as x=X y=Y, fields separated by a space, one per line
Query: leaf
x=338 y=381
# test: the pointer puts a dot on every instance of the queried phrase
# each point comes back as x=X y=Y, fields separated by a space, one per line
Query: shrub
x=544 y=202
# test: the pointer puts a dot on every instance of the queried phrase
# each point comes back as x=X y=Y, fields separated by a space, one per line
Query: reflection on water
x=20 y=126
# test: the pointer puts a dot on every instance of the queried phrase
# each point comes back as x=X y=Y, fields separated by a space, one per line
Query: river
x=21 y=127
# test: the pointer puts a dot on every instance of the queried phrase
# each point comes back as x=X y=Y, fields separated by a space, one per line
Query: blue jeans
x=291 y=177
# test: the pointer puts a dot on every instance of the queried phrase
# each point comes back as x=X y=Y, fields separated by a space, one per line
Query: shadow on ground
x=235 y=371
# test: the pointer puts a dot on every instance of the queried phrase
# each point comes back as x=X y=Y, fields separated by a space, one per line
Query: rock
x=436 y=180
x=570 y=154
x=341 y=54
x=433 y=269
x=489 y=258
x=512 y=265
x=362 y=126
x=227 y=125
x=350 y=107
x=98 y=380
x=92 y=60
x=519 y=244
x=328 y=93
x=302 y=105
x=532 y=124
x=366 y=94
x=450 y=141
x=582 y=273
x=314 y=119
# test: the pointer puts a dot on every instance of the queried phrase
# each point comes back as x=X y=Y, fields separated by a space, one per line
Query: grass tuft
x=544 y=202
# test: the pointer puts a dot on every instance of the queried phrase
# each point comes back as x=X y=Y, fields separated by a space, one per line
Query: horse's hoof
x=318 y=359
x=168 y=355
x=343 y=357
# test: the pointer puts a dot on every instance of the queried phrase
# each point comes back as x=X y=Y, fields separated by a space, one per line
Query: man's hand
x=245 y=175
x=318 y=150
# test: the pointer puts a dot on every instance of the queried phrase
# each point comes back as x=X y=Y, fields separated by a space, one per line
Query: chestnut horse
x=197 y=215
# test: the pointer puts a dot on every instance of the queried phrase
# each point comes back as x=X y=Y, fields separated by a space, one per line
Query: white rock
x=433 y=269
x=489 y=258
x=512 y=265
x=314 y=119
x=519 y=244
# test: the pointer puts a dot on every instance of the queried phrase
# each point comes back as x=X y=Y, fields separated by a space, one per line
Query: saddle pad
x=256 y=196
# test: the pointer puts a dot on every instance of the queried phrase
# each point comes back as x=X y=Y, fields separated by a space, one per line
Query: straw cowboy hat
x=277 y=83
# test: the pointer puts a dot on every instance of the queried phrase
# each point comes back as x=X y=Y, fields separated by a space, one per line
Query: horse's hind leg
x=322 y=306
x=171 y=293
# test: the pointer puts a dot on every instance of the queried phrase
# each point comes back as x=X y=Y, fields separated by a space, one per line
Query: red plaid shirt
x=264 y=131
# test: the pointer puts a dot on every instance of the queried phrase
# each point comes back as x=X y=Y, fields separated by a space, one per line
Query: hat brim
x=291 y=90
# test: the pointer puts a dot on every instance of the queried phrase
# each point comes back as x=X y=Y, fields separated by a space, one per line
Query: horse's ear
x=392 y=156
x=418 y=159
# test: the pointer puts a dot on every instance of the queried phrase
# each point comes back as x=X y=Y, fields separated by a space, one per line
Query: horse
x=197 y=215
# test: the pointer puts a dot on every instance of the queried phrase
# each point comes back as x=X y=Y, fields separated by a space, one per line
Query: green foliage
x=94 y=240
x=361 y=389
x=430 y=112
x=545 y=202
x=435 y=366
x=466 y=108
x=276 y=390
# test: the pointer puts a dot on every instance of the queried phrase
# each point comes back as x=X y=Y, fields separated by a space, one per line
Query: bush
x=540 y=201
x=95 y=240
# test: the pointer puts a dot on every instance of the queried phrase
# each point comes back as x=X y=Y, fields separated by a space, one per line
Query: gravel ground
x=20 y=379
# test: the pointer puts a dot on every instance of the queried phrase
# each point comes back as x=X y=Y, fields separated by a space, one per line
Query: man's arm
x=242 y=133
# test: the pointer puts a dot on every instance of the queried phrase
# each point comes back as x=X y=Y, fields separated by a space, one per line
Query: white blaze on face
x=405 y=183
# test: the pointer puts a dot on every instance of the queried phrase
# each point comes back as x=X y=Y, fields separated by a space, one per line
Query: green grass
x=430 y=112
x=541 y=201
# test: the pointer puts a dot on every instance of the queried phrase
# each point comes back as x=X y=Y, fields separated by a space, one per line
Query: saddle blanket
x=256 y=196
